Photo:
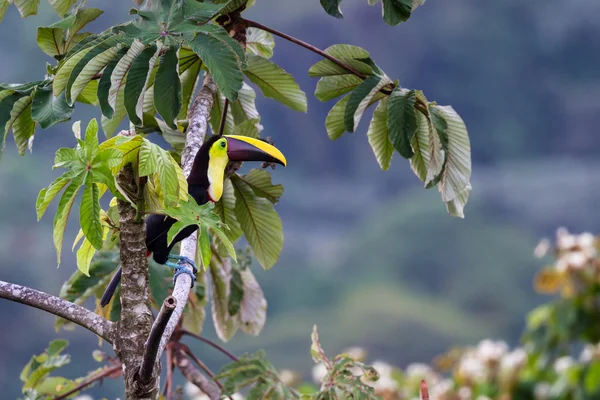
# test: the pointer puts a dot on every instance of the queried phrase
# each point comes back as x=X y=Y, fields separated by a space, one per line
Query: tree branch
x=59 y=307
x=193 y=375
x=198 y=125
x=153 y=342
x=210 y=343
x=101 y=375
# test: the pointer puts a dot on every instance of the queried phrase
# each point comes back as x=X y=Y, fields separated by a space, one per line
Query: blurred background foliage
x=370 y=256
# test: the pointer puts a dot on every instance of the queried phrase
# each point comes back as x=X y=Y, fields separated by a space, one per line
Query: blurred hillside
x=371 y=256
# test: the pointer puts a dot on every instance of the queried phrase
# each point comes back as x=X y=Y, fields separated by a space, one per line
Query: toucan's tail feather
x=110 y=289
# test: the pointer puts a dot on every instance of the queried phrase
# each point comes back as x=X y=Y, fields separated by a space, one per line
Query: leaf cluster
x=393 y=11
x=434 y=138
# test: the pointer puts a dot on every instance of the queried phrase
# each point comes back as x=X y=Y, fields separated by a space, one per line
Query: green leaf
x=225 y=209
x=332 y=7
x=21 y=123
x=119 y=73
x=89 y=94
x=166 y=169
x=27 y=7
x=62 y=6
x=62 y=215
x=105 y=83
x=189 y=72
x=83 y=17
x=48 y=194
x=236 y=286
x=167 y=88
x=253 y=307
x=259 y=222
x=396 y=11
x=330 y=87
x=48 y=110
x=6 y=106
x=90 y=216
x=80 y=78
x=275 y=83
x=360 y=99
x=378 y=136
x=204 y=246
x=334 y=123
x=109 y=125
x=247 y=128
x=147 y=158
x=51 y=40
x=260 y=182
x=3 y=7
x=260 y=42
x=244 y=108
x=420 y=145
x=402 y=120
x=137 y=79
x=194 y=313
x=216 y=114
x=592 y=378
x=215 y=48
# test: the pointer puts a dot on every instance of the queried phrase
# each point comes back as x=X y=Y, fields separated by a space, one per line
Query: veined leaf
x=86 y=253
x=62 y=215
x=402 y=120
x=260 y=182
x=167 y=175
x=48 y=110
x=225 y=324
x=147 y=158
x=137 y=79
x=204 y=246
x=260 y=42
x=332 y=7
x=62 y=6
x=51 y=40
x=420 y=145
x=117 y=78
x=6 y=106
x=225 y=209
x=83 y=17
x=90 y=216
x=89 y=94
x=3 y=7
x=27 y=7
x=378 y=136
x=259 y=222
x=330 y=87
x=347 y=51
x=253 y=308
x=396 y=11
x=92 y=66
x=216 y=114
x=105 y=83
x=79 y=287
x=64 y=72
x=245 y=107
x=329 y=68
x=190 y=71
x=247 y=128
x=275 y=83
x=109 y=125
x=360 y=99
x=222 y=58
x=21 y=123
x=334 y=123
x=167 y=88
x=48 y=194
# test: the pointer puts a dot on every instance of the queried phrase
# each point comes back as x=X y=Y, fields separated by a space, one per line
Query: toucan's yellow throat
x=240 y=149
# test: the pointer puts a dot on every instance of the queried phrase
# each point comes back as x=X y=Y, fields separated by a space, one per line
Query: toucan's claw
x=180 y=269
x=183 y=259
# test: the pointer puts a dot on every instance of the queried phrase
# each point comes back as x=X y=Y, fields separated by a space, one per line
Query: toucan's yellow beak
x=243 y=148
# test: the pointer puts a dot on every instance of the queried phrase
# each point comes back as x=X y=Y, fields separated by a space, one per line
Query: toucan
x=205 y=183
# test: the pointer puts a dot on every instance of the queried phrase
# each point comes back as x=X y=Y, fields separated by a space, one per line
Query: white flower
x=418 y=370
x=587 y=353
x=442 y=389
x=586 y=239
x=491 y=351
x=564 y=240
x=542 y=248
x=472 y=368
x=465 y=393
x=385 y=382
x=194 y=392
x=357 y=353
x=562 y=364
x=576 y=259
x=318 y=372
x=237 y=396
x=383 y=368
x=287 y=376
x=515 y=359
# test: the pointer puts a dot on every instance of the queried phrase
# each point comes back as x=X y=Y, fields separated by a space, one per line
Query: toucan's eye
x=223 y=144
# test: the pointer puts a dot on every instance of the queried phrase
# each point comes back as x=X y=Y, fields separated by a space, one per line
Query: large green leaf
x=360 y=99
x=396 y=11
x=216 y=114
x=105 y=83
x=253 y=307
x=6 y=106
x=167 y=88
x=378 y=136
x=275 y=83
x=62 y=6
x=90 y=216
x=330 y=87
x=402 y=120
x=244 y=108
x=48 y=110
x=260 y=181
x=332 y=7
x=137 y=80
x=109 y=125
x=189 y=70
x=334 y=123
x=225 y=209
x=259 y=222
x=260 y=42
x=62 y=215
x=27 y=7
x=222 y=55
x=119 y=73
x=225 y=324
x=21 y=123
x=48 y=194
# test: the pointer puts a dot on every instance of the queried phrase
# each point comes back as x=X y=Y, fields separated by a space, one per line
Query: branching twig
x=153 y=342
x=198 y=118
x=193 y=375
x=169 y=381
x=210 y=343
x=101 y=375
x=59 y=307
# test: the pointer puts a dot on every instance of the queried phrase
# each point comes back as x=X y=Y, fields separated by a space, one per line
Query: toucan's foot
x=180 y=269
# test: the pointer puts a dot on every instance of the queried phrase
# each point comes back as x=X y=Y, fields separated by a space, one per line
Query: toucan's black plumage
x=205 y=183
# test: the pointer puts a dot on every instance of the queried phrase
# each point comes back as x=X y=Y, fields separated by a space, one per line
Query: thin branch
x=166 y=311
x=224 y=117
x=203 y=366
x=59 y=307
x=101 y=375
x=169 y=381
x=193 y=375
x=198 y=125
x=308 y=46
x=210 y=343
